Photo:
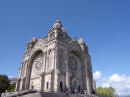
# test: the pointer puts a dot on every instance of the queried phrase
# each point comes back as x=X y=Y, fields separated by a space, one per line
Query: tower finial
x=57 y=24
x=58 y=20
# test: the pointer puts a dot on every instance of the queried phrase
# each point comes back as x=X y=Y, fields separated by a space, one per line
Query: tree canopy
x=107 y=92
x=11 y=87
x=4 y=83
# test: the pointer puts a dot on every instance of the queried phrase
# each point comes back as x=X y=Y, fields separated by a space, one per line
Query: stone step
x=46 y=94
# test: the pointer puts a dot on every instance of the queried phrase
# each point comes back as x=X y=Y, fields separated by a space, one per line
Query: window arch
x=37 y=63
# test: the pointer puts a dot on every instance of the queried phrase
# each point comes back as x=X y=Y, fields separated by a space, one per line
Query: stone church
x=56 y=63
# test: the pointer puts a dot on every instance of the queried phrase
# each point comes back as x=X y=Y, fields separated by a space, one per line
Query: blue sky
x=103 y=24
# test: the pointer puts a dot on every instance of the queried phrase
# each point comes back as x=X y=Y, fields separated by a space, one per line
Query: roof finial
x=81 y=41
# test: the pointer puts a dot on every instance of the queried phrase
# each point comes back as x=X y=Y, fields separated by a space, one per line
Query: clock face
x=38 y=62
x=73 y=63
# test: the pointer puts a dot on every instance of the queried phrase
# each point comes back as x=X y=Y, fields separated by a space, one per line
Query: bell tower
x=58 y=32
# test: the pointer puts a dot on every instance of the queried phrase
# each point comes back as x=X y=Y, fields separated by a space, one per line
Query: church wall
x=21 y=83
x=55 y=82
x=62 y=83
x=89 y=75
x=50 y=65
x=35 y=83
x=47 y=84
x=61 y=65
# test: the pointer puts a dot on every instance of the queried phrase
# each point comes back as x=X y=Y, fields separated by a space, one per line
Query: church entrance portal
x=73 y=85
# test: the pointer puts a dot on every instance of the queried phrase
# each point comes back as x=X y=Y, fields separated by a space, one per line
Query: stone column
x=55 y=73
x=94 y=87
x=17 y=85
x=23 y=85
x=83 y=68
x=67 y=71
x=88 y=86
x=42 y=81
x=44 y=72
x=52 y=81
x=28 y=74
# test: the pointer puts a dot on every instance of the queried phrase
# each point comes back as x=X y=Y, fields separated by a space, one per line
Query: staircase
x=47 y=94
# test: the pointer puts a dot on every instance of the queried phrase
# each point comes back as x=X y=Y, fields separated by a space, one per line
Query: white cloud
x=121 y=83
x=97 y=75
x=117 y=78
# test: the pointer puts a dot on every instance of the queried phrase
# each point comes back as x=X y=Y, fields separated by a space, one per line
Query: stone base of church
x=44 y=94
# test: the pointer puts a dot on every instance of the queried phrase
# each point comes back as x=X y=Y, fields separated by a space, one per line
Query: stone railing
x=19 y=93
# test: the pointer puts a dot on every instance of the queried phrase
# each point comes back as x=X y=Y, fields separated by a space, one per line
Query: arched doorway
x=79 y=88
x=73 y=84
x=61 y=86
x=75 y=71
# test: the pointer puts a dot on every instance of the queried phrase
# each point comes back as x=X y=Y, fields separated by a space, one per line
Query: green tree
x=107 y=92
x=4 y=83
x=11 y=87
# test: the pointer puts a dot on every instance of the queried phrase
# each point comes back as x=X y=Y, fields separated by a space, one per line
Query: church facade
x=56 y=63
